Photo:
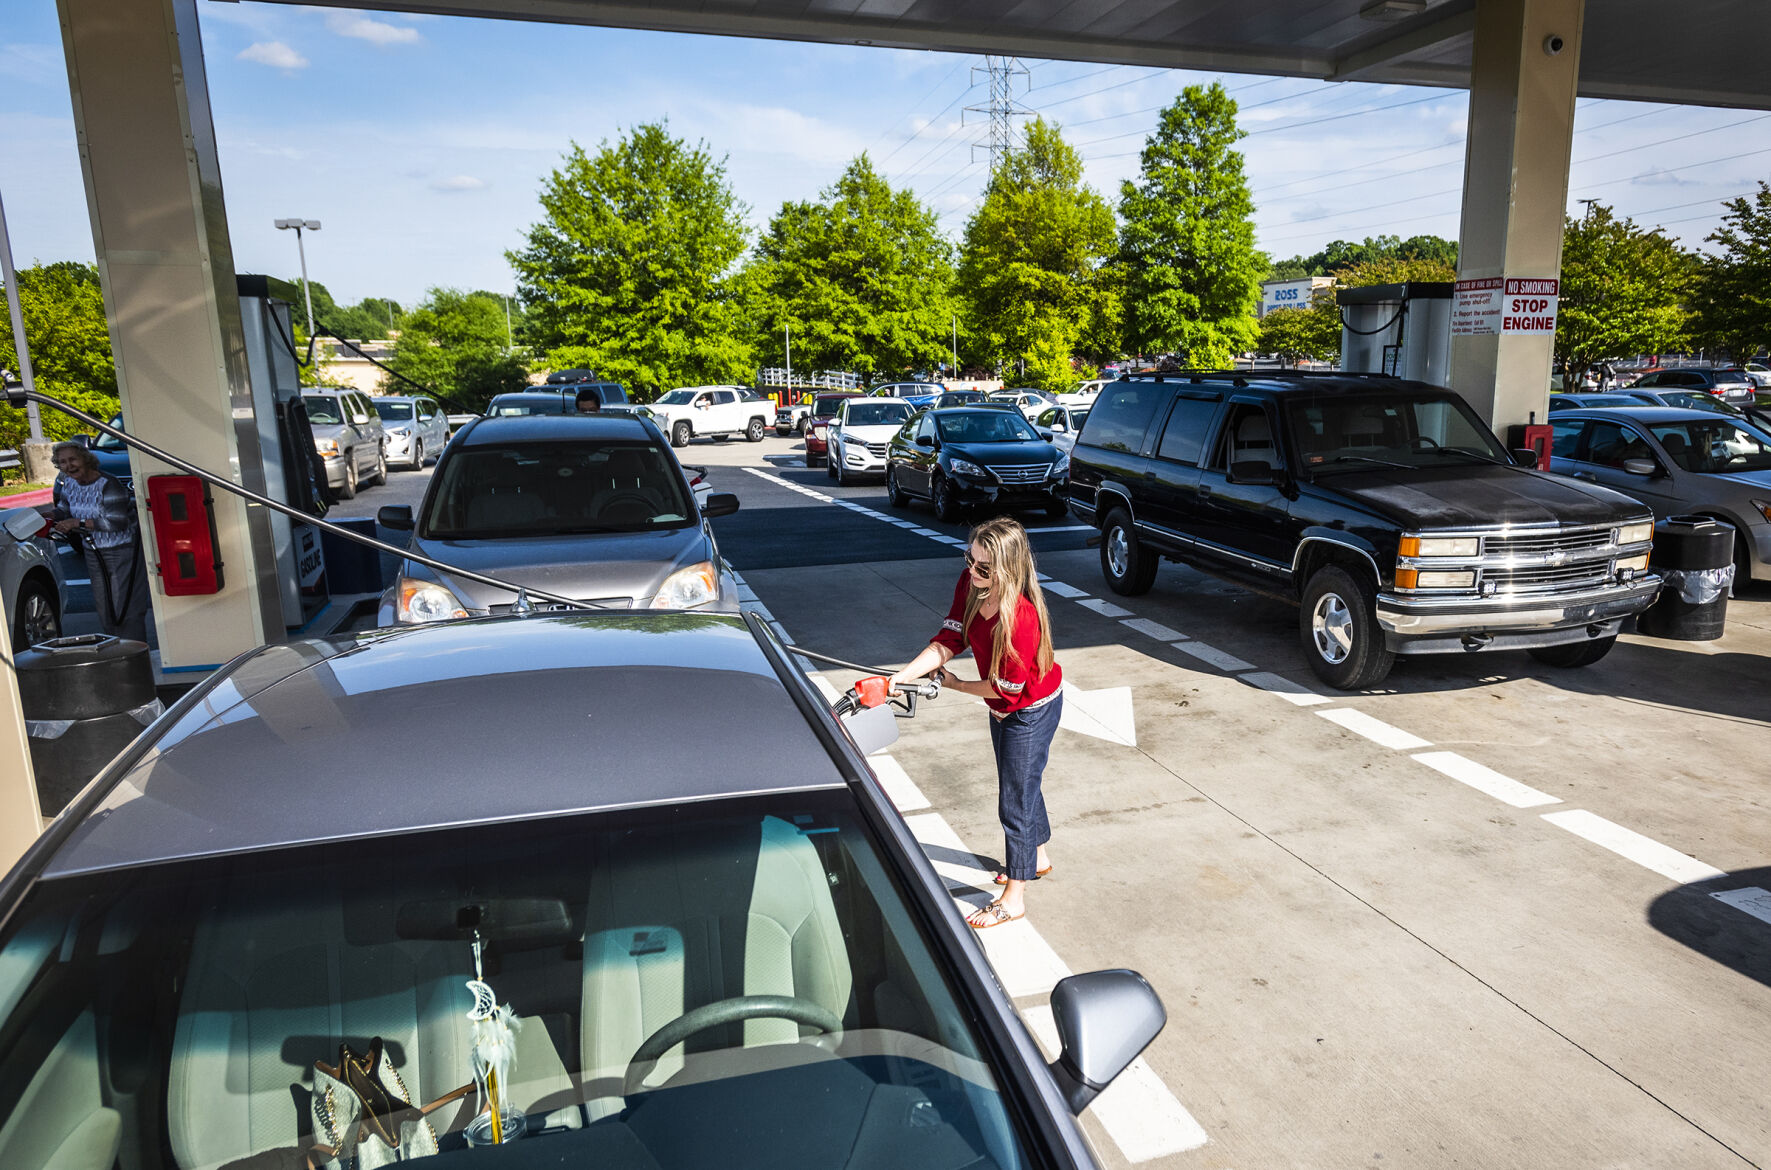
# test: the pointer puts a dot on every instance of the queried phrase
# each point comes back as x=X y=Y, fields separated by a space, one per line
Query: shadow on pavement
x=1692 y=915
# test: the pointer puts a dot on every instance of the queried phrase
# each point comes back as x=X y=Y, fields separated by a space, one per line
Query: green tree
x=1029 y=276
x=862 y=275
x=1623 y=291
x=631 y=270
x=70 y=345
x=1312 y=332
x=453 y=343
x=1187 y=236
x=1394 y=270
x=1341 y=255
x=1732 y=299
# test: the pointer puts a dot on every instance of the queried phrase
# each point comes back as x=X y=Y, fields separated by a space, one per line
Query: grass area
x=14 y=489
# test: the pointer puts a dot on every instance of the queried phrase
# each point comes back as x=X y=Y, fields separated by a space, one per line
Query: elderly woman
x=94 y=510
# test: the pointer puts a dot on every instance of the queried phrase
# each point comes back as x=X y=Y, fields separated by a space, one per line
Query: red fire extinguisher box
x=184 y=535
x=1534 y=436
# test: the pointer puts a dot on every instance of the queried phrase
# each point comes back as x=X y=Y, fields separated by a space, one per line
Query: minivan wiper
x=1471 y=454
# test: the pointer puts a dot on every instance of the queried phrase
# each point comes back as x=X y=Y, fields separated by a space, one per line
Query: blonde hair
x=1014 y=582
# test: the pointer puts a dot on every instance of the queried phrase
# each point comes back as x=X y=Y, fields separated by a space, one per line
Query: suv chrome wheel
x=1118 y=552
x=1331 y=625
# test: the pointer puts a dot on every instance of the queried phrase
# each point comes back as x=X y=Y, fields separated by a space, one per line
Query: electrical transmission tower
x=1001 y=107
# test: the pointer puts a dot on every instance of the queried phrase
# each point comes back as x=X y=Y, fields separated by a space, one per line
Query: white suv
x=692 y=411
x=861 y=433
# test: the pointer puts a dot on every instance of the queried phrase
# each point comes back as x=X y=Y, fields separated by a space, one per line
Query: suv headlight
x=1438 y=546
x=401 y=432
x=1636 y=533
x=967 y=467
x=426 y=601
x=687 y=588
x=327 y=447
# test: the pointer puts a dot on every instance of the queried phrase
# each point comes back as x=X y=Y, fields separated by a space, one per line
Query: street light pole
x=312 y=225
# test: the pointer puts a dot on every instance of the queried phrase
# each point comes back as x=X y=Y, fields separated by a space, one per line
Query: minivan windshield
x=393 y=409
x=221 y=991
x=555 y=489
x=322 y=409
x=1347 y=432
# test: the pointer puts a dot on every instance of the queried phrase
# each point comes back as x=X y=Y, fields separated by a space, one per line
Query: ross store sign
x=1505 y=305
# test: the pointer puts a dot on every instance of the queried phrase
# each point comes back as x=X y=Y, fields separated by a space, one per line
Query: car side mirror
x=719 y=504
x=1525 y=457
x=925 y=440
x=395 y=516
x=1046 y=433
x=1105 y=1019
x=1060 y=425
x=1640 y=467
x=1254 y=472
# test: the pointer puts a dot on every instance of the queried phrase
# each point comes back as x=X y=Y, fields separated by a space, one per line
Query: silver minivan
x=349 y=436
x=416 y=428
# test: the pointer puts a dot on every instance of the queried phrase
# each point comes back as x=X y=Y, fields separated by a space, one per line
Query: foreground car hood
x=1032 y=451
x=627 y=564
x=1479 y=496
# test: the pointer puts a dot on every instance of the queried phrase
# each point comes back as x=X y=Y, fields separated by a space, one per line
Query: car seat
x=1677 y=449
x=682 y=918
x=500 y=500
x=628 y=493
x=1253 y=441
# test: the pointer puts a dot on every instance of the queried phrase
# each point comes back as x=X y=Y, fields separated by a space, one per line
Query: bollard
x=1694 y=556
x=85 y=699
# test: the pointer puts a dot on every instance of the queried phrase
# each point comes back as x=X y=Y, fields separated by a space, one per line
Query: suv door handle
x=1204 y=490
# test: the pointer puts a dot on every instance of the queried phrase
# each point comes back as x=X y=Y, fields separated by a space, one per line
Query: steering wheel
x=626 y=496
x=716 y=1014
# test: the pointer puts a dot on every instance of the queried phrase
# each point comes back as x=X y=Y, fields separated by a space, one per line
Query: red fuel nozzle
x=873 y=691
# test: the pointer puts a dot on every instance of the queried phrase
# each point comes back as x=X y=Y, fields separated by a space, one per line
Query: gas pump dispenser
x=1403 y=330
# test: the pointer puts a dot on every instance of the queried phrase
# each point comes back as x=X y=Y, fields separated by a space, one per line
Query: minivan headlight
x=426 y=601
x=1636 y=533
x=688 y=588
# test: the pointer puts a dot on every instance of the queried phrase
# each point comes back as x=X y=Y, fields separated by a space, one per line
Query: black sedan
x=970 y=457
x=232 y=951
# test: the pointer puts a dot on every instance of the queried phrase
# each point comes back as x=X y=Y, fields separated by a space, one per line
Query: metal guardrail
x=9 y=460
x=822 y=380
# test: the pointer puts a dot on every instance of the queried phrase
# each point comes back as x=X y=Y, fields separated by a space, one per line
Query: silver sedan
x=30 y=579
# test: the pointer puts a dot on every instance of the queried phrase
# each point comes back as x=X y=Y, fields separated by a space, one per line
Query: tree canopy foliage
x=862 y=275
x=1186 y=237
x=1029 y=268
x=371 y=317
x=1309 y=332
x=1342 y=255
x=1623 y=291
x=632 y=270
x=1732 y=303
x=454 y=343
x=64 y=314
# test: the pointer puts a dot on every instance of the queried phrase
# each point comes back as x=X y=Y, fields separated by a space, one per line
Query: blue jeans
x=1023 y=741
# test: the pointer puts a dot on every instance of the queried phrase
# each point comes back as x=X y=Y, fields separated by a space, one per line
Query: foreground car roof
x=498 y=719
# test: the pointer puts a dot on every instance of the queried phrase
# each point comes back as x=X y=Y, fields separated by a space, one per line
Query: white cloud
x=457 y=183
x=36 y=64
x=376 y=32
x=276 y=54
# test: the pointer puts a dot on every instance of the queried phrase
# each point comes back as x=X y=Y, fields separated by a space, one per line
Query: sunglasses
x=981 y=568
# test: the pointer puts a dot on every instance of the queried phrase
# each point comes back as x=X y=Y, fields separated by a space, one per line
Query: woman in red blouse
x=998 y=613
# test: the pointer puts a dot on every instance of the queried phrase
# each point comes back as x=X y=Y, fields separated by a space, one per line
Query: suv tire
x=349 y=490
x=679 y=434
x=1572 y=654
x=381 y=465
x=805 y=424
x=946 y=505
x=1338 y=627
x=1130 y=568
x=755 y=433
x=895 y=495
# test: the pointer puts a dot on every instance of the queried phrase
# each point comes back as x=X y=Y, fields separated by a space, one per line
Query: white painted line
x=1212 y=656
x=1062 y=528
x=760 y=610
x=1025 y=963
x=1291 y=692
x=1104 y=608
x=1376 y=730
x=928 y=532
x=1752 y=900
x=1503 y=788
x=745 y=592
x=1061 y=589
x=1632 y=846
x=898 y=785
x=1154 y=629
x=1137 y=1110
x=906 y=524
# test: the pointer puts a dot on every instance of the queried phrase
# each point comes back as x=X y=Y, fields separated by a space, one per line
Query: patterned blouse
x=105 y=502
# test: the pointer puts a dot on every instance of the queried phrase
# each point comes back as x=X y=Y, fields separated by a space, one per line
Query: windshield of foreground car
x=555 y=489
x=321 y=409
x=212 y=989
x=1351 y=432
x=1714 y=446
x=392 y=409
x=984 y=426
x=871 y=414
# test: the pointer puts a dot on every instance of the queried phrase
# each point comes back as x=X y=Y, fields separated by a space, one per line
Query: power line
x=960 y=64
x=932 y=121
x=1274 y=129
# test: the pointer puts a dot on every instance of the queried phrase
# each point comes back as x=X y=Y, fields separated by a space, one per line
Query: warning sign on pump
x=1495 y=304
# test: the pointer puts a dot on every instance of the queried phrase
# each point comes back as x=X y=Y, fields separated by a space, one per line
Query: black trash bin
x=1694 y=556
x=85 y=698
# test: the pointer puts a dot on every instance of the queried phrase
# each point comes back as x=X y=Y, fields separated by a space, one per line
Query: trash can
x=1694 y=556
x=85 y=699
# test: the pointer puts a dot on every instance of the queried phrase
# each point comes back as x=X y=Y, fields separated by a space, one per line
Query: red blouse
x=1017 y=686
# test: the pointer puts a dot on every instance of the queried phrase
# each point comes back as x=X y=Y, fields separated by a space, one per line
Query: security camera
x=1552 y=45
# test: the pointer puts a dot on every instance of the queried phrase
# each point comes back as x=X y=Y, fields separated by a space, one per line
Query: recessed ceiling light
x=1393 y=9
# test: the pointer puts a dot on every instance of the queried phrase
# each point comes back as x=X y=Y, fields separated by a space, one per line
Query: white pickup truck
x=694 y=411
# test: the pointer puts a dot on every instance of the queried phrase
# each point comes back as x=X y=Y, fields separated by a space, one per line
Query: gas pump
x=1403 y=330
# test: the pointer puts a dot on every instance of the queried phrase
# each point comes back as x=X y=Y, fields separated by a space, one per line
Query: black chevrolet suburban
x=1384 y=508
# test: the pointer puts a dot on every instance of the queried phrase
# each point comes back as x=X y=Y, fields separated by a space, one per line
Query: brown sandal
x=992 y=915
x=1001 y=878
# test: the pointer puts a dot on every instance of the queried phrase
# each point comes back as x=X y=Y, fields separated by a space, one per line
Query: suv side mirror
x=1254 y=472
x=1525 y=457
x=719 y=504
x=395 y=516
x=1105 y=1019
x=1640 y=467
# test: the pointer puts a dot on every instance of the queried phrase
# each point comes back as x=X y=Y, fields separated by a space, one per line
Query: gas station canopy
x=1646 y=50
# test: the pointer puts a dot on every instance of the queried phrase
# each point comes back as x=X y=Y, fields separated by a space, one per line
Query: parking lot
x=1458 y=920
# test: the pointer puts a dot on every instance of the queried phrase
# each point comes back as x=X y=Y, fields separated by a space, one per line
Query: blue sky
x=420 y=142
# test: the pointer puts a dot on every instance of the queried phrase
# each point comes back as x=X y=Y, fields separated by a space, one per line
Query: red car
x=824 y=408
